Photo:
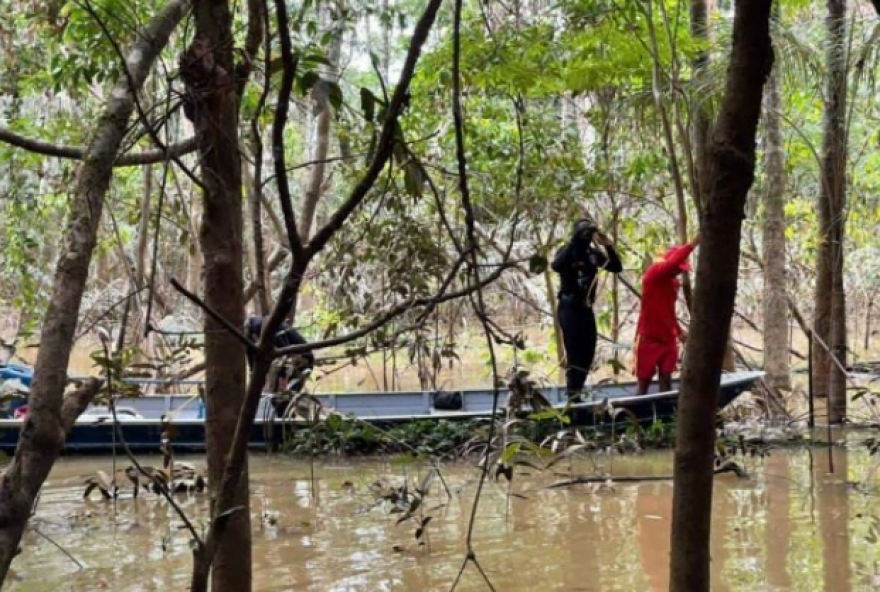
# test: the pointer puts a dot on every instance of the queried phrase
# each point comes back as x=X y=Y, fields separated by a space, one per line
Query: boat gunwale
x=735 y=379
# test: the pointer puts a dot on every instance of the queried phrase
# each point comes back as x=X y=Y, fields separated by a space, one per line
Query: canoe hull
x=384 y=409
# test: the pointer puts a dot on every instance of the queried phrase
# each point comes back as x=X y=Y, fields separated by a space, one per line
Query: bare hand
x=602 y=239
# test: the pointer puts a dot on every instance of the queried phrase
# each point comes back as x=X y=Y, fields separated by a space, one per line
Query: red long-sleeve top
x=657 y=319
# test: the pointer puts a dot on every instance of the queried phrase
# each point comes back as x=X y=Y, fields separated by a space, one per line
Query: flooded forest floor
x=805 y=519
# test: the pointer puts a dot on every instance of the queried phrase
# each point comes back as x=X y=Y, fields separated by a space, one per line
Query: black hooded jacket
x=578 y=263
x=285 y=336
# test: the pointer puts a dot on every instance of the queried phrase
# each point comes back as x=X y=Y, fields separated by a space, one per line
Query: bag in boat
x=447 y=401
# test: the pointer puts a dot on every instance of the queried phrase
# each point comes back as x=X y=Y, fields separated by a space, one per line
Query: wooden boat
x=141 y=419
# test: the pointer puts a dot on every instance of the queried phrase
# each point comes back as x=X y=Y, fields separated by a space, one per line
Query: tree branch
x=77 y=401
x=37 y=146
x=386 y=138
x=215 y=315
x=290 y=62
x=395 y=312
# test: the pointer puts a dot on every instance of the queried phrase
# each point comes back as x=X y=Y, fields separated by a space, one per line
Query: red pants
x=652 y=356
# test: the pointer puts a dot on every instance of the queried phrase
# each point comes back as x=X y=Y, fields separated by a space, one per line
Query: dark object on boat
x=444 y=401
x=142 y=424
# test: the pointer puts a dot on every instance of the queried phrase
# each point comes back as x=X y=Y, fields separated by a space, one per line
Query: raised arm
x=672 y=266
x=611 y=261
x=614 y=264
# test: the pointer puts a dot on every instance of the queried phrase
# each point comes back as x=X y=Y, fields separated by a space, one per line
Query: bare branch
x=290 y=62
x=36 y=146
x=215 y=315
x=395 y=312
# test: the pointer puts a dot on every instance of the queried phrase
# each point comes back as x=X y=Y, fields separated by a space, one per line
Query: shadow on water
x=792 y=526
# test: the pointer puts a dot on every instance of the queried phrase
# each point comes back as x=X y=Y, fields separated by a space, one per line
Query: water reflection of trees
x=793 y=526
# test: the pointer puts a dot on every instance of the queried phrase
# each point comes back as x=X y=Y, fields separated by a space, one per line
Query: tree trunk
x=230 y=485
x=830 y=301
x=730 y=170
x=208 y=65
x=701 y=124
x=143 y=241
x=43 y=433
x=671 y=152
x=260 y=277
x=324 y=117
x=776 y=318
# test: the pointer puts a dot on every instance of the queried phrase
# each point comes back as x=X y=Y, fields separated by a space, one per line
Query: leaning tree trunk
x=776 y=317
x=44 y=430
x=207 y=68
x=730 y=168
x=830 y=301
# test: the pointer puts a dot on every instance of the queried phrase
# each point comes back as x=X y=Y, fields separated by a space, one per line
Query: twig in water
x=156 y=482
x=52 y=542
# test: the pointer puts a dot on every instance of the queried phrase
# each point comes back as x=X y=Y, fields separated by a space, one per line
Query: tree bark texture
x=830 y=301
x=730 y=170
x=44 y=430
x=207 y=70
x=776 y=317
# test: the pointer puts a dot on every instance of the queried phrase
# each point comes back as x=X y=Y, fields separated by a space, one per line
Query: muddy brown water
x=792 y=526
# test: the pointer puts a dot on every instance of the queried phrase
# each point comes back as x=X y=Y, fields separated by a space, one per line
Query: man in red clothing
x=658 y=330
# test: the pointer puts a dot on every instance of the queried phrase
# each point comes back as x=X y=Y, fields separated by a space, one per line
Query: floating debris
x=183 y=478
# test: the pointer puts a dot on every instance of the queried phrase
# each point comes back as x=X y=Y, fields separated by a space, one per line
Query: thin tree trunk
x=830 y=300
x=144 y=229
x=233 y=481
x=776 y=318
x=324 y=118
x=701 y=123
x=615 y=293
x=44 y=430
x=209 y=64
x=701 y=126
x=140 y=262
x=194 y=263
x=260 y=279
x=730 y=170
x=671 y=152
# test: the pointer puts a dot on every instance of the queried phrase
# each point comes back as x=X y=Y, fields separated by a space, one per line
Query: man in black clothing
x=289 y=377
x=578 y=264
